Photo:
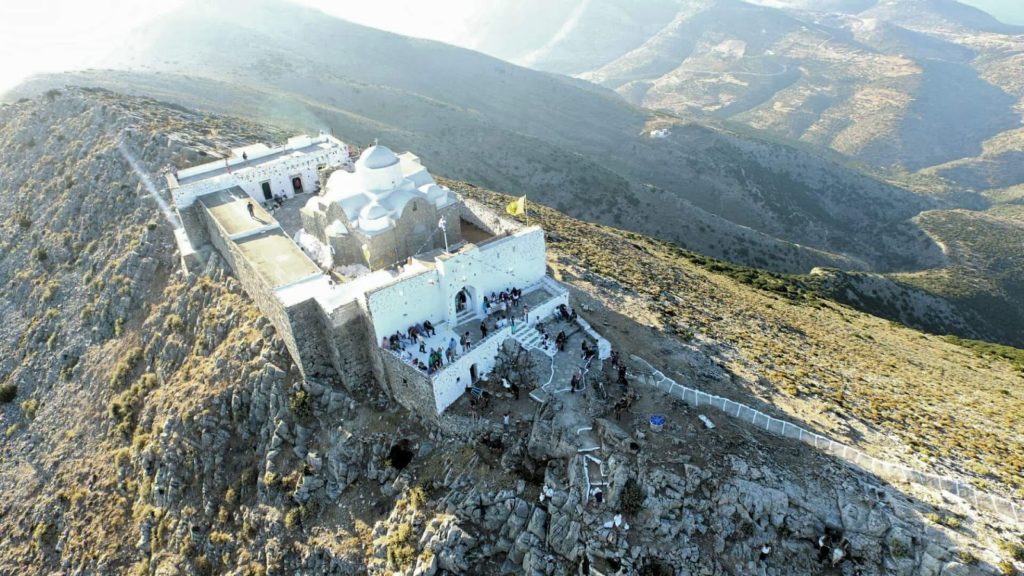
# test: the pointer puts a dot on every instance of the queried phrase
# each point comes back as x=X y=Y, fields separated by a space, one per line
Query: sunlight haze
x=54 y=35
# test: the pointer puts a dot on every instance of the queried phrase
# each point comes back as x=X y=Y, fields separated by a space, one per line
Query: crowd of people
x=506 y=305
x=502 y=302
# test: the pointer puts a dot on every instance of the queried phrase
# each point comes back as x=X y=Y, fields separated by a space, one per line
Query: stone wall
x=484 y=218
x=351 y=346
x=263 y=294
x=309 y=340
x=410 y=387
x=195 y=226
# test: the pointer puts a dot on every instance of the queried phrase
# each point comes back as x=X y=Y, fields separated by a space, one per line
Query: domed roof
x=373 y=211
x=376 y=157
x=435 y=194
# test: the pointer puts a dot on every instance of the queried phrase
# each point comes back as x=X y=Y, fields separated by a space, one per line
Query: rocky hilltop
x=155 y=425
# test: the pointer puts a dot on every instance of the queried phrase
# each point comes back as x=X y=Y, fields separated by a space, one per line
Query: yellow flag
x=517 y=207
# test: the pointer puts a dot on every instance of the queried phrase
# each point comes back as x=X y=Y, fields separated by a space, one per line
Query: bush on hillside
x=8 y=392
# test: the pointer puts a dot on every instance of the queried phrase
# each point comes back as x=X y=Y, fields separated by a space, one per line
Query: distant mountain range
x=792 y=140
x=930 y=85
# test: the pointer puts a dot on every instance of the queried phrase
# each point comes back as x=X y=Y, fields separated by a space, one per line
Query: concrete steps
x=531 y=339
x=467 y=315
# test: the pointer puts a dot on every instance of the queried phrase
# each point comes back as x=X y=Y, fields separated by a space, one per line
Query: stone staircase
x=531 y=339
x=467 y=315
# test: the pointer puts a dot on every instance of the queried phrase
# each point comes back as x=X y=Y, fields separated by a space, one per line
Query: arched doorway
x=474 y=375
x=297 y=184
x=465 y=304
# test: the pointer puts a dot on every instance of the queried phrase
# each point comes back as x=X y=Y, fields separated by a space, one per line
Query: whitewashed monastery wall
x=397 y=306
x=513 y=261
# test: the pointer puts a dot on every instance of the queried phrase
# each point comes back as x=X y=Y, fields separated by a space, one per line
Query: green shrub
x=1006 y=568
x=8 y=393
x=40 y=254
x=417 y=498
x=293 y=518
x=301 y=404
x=632 y=497
x=399 y=545
x=29 y=407
x=41 y=534
x=174 y=323
x=899 y=549
x=967 y=557
x=121 y=375
x=1012 y=549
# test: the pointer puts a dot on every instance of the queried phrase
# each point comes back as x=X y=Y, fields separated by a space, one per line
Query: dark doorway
x=297 y=184
x=473 y=376
x=267 y=194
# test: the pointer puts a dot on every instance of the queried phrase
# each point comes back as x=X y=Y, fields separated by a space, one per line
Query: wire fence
x=696 y=398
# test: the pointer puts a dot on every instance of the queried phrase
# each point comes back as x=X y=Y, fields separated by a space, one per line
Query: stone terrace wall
x=309 y=334
x=351 y=346
x=264 y=296
x=195 y=225
x=486 y=219
x=409 y=386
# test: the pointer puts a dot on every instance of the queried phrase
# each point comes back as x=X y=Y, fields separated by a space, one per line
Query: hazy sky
x=52 y=35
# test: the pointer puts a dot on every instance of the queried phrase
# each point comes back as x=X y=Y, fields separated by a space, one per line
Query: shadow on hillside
x=916 y=518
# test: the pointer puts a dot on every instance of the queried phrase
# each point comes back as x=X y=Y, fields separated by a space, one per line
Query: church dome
x=437 y=195
x=373 y=211
x=376 y=157
x=373 y=217
x=379 y=171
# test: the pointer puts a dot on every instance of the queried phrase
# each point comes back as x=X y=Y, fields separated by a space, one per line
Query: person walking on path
x=252 y=210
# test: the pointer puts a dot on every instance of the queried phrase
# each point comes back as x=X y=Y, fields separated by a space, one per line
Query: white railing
x=953 y=486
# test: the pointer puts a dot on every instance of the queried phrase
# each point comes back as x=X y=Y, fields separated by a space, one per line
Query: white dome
x=376 y=157
x=374 y=217
x=373 y=211
x=379 y=171
x=437 y=195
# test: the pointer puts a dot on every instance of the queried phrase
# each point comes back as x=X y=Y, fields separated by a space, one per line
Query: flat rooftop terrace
x=228 y=209
x=250 y=163
x=276 y=257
